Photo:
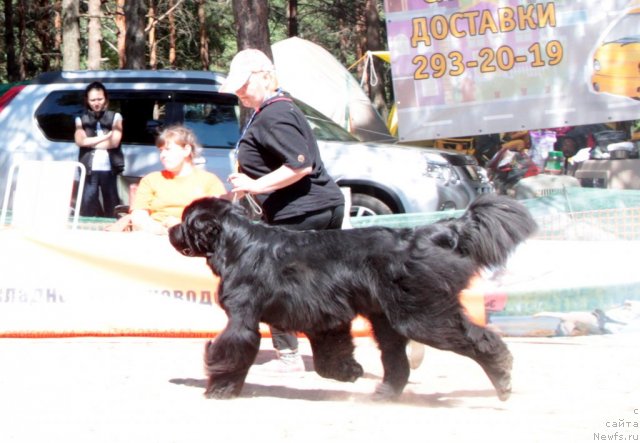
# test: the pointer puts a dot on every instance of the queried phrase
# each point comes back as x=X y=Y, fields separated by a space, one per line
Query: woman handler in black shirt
x=279 y=163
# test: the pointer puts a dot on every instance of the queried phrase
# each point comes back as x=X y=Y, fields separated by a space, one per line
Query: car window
x=143 y=114
x=323 y=127
x=57 y=113
x=211 y=116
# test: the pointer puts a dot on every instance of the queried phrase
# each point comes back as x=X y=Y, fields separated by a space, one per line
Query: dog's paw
x=385 y=392
x=502 y=384
x=219 y=393
x=500 y=376
x=504 y=391
x=222 y=391
x=349 y=370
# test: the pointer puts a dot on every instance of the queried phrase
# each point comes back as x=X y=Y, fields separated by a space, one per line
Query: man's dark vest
x=89 y=124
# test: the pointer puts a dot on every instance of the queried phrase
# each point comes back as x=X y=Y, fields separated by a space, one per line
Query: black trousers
x=100 y=184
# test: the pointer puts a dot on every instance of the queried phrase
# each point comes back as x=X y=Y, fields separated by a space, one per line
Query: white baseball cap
x=245 y=63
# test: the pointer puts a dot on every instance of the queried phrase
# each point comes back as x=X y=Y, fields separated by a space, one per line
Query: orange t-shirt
x=166 y=196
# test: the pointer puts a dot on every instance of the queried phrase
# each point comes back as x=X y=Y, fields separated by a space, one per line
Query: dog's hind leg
x=492 y=354
x=458 y=334
x=333 y=354
x=394 y=358
x=228 y=359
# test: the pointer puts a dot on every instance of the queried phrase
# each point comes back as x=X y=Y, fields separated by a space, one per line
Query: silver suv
x=37 y=122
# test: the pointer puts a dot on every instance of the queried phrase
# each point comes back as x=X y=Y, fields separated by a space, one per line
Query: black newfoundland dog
x=404 y=281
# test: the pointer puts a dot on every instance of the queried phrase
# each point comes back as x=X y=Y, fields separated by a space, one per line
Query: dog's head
x=202 y=223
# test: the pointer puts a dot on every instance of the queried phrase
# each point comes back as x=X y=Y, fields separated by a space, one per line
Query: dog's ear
x=445 y=238
x=200 y=227
x=202 y=231
x=440 y=235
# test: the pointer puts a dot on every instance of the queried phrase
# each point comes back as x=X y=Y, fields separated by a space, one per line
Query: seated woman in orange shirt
x=162 y=196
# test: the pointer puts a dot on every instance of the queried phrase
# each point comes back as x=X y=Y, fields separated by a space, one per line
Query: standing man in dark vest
x=98 y=134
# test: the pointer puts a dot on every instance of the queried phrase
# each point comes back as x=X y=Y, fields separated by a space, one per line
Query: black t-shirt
x=279 y=134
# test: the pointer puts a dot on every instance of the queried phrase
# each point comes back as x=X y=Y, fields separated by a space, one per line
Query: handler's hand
x=242 y=183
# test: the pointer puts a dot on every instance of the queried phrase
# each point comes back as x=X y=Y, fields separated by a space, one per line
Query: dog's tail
x=491 y=228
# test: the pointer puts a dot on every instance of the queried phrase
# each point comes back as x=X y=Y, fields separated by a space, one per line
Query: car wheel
x=363 y=205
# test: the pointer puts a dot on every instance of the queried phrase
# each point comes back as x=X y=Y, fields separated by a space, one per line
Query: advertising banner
x=470 y=67
x=102 y=283
x=97 y=283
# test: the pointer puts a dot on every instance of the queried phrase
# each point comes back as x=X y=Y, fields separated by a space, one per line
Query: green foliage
x=332 y=24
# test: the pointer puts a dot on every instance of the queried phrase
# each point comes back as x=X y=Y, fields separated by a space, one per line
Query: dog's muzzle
x=188 y=252
x=178 y=241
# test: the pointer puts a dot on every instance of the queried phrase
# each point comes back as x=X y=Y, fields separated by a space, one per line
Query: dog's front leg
x=333 y=354
x=394 y=358
x=229 y=357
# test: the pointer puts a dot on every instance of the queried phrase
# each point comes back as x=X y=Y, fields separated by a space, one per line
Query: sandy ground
x=150 y=390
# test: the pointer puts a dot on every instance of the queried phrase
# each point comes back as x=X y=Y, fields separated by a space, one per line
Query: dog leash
x=253 y=204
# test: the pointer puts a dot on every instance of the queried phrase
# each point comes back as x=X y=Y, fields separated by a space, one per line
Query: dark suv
x=37 y=122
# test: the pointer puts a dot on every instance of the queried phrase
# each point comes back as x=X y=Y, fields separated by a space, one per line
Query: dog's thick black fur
x=405 y=281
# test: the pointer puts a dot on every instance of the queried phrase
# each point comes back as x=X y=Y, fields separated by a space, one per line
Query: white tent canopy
x=311 y=74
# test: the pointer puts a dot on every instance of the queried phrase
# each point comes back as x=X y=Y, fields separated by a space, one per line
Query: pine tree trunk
x=135 y=12
x=153 y=42
x=44 y=33
x=374 y=43
x=22 y=38
x=95 y=35
x=70 y=35
x=204 y=38
x=292 y=18
x=172 y=36
x=13 y=73
x=57 y=24
x=251 y=17
x=121 y=26
x=345 y=44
